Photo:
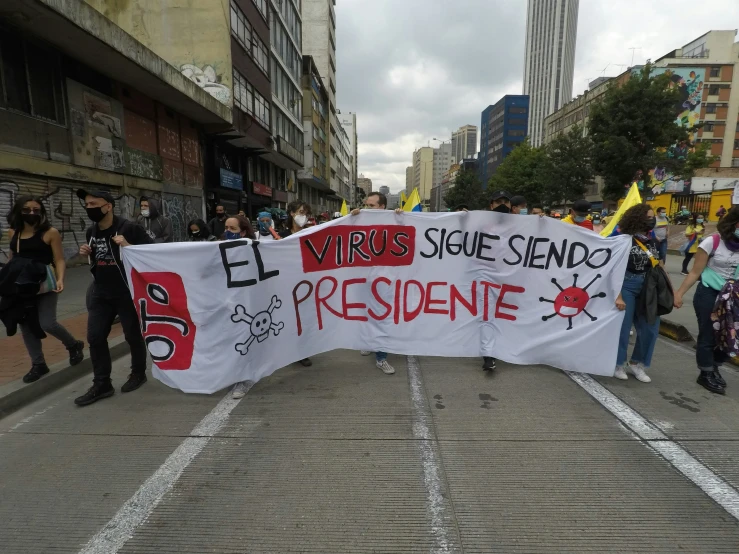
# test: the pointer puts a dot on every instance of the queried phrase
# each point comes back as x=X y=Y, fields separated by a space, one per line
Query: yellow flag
x=413 y=204
x=344 y=209
x=403 y=198
x=632 y=199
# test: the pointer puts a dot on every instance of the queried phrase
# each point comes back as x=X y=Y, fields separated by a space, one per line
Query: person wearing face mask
x=238 y=227
x=716 y=262
x=500 y=202
x=579 y=215
x=198 y=231
x=266 y=227
x=518 y=206
x=110 y=296
x=694 y=233
x=660 y=234
x=217 y=225
x=299 y=212
x=638 y=222
x=158 y=227
x=35 y=243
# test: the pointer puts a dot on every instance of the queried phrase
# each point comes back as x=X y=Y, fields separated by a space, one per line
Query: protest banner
x=523 y=289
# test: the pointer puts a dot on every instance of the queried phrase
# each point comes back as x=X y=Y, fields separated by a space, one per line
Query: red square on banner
x=358 y=246
x=161 y=302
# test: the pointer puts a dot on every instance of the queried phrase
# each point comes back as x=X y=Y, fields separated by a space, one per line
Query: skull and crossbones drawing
x=260 y=324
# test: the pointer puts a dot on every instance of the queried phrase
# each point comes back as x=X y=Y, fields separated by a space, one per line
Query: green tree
x=522 y=172
x=467 y=189
x=567 y=168
x=633 y=128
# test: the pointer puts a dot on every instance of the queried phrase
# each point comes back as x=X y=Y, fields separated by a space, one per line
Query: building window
x=735 y=162
x=517 y=121
x=713 y=90
x=30 y=79
x=245 y=35
x=710 y=108
x=514 y=133
x=249 y=100
x=715 y=72
x=708 y=127
x=262 y=7
x=736 y=144
x=518 y=110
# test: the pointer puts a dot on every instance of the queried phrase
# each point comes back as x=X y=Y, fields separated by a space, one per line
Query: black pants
x=686 y=261
x=706 y=354
x=103 y=306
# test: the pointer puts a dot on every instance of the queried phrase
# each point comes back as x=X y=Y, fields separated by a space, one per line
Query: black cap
x=518 y=201
x=581 y=206
x=105 y=195
x=498 y=194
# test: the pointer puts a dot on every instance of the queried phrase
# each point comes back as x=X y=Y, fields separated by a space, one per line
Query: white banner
x=523 y=289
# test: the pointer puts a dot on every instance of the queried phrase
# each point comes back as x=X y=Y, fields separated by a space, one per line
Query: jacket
x=158 y=227
x=20 y=280
x=656 y=297
x=725 y=318
x=132 y=232
x=217 y=227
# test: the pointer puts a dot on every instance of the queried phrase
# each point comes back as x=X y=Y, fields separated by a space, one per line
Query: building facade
x=423 y=174
x=349 y=122
x=464 y=143
x=365 y=183
x=503 y=126
x=409 y=180
x=549 y=62
x=84 y=104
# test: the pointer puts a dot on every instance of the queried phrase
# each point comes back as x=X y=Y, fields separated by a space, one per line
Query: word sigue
x=409 y=300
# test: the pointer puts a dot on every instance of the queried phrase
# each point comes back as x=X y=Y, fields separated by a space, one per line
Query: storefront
x=260 y=198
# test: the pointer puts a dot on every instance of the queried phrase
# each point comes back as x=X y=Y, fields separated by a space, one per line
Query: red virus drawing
x=572 y=301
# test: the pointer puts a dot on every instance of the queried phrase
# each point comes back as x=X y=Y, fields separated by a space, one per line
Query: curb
x=17 y=394
x=674 y=331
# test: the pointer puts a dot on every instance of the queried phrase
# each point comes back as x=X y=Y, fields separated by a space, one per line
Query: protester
x=34 y=242
x=158 y=227
x=377 y=201
x=538 y=210
x=721 y=212
x=198 y=231
x=579 y=215
x=217 y=225
x=661 y=234
x=638 y=222
x=716 y=261
x=500 y=202
x=266 y=227
x=462 y=208
x=238 y=227
x=519 y=206
x=298 y=214
x=110 y=296
x=694 y=233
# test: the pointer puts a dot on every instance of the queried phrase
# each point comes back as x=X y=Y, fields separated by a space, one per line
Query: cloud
x=413 y=70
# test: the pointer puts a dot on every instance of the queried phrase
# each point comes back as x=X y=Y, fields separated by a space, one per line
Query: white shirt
x=723 y=261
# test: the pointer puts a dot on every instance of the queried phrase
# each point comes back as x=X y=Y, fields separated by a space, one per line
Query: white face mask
x=300 y=220
x=145 y=213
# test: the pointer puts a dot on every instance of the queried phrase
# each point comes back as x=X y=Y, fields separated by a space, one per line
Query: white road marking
x=684 y=462
x=429 y=460
x=111 y=538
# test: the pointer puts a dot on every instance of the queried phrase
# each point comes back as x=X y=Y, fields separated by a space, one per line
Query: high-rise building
x=503 y=126
x=549 y=63
x=384 y=190
x=364 y=183
x=349 y=122
x=409 y=180
x=464 y=143
x=423 y=173
x=442 y=162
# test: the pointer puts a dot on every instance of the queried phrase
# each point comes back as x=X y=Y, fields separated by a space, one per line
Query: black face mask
x=220 y=216
x=651 y=223
x=31 y=219
x=195 y=234
x=95 y=214
x=502 y=209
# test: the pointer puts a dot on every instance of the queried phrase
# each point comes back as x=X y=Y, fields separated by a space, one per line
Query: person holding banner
x=638 y=221
x=298 y=214
x=266 y=227
x=238 y=227
x=694 y=234
x=500 y=202
x=716 y=261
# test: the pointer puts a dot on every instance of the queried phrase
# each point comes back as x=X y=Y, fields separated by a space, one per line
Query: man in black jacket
x=217 y=225
x=158 y=227
x=110 y=295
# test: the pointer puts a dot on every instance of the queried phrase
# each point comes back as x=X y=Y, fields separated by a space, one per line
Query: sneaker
x=76 y=354
x=365 y=352
x=488 y=363
x=707 y=380
x=620 y=373
x=135 y=380
x=95 y=393
x=718 y=377
x=640 y=372
x=386 y=368
x=683 y=273
x=305 y=362
x=240 y=390
x=37 y=371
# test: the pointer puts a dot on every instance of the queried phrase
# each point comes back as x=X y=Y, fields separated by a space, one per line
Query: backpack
x=725 y=318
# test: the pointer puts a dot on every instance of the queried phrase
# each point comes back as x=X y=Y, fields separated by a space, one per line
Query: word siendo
x=441 y=298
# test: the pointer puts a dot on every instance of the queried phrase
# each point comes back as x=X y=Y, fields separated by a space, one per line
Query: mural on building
x=207 y=79
x=665 y=181
x=689 y=81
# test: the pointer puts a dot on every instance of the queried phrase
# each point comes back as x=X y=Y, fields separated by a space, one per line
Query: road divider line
x=444 y=540
x=114 y=535
x=690 y=467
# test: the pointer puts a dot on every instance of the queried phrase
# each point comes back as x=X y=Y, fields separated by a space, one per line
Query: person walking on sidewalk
x=694 y=234
x=158 y=227
x=110 y=295
x=716 y=261
x=32 y=237
x=661 y=231
x=377 y=201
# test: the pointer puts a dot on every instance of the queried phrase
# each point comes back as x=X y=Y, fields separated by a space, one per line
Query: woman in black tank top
x=32 y=237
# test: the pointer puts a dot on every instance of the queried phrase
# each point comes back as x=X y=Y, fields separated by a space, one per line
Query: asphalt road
x=340 y=458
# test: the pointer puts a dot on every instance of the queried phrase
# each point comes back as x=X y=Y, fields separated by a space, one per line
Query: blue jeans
x=662 y=250
x=380 y=356
x=646 y=334
x=706 y=354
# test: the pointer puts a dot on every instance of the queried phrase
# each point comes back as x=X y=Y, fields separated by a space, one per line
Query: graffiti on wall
x=689 y=81
x=207 y=79
x=665 y=181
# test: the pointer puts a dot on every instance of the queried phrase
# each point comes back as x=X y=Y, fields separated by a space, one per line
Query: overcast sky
x=413 y=70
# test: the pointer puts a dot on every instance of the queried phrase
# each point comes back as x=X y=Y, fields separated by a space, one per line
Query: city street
x=339 y=458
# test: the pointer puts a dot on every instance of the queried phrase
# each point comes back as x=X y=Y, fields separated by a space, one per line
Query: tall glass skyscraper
x=551 y=34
